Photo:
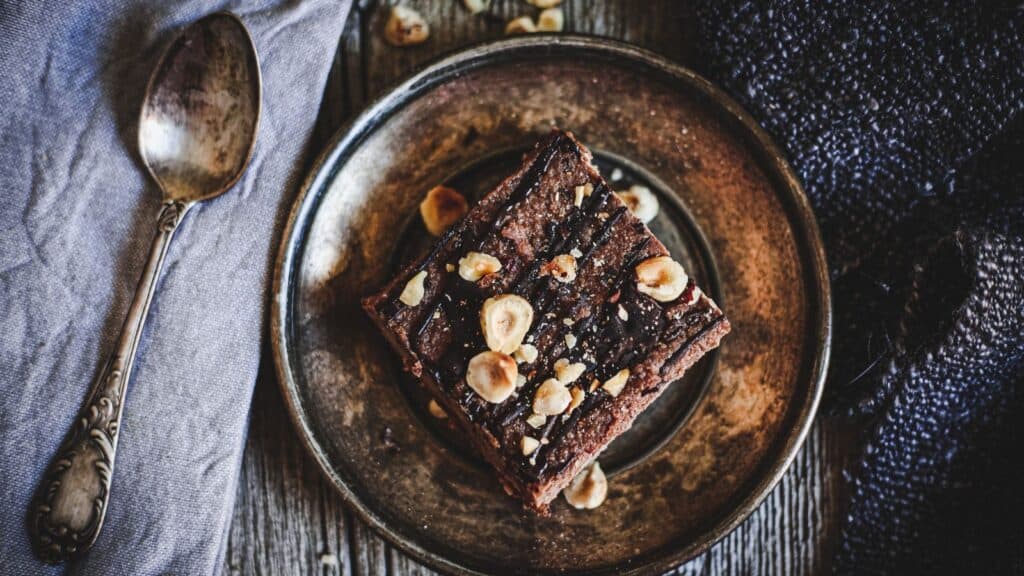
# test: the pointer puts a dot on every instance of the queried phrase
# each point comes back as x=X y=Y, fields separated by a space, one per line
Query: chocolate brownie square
x=546 y=320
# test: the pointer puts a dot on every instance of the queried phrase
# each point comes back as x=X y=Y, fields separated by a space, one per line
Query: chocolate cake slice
x=546 y=320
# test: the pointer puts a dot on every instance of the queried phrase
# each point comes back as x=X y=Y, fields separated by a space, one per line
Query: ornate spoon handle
x=71 y=500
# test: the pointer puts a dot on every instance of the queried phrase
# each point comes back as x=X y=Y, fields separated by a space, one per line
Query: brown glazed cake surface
x=599 y=319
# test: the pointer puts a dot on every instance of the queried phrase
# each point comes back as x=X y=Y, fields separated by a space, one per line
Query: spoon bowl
x=200 y=114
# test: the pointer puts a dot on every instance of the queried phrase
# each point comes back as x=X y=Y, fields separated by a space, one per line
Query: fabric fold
x=79 y=214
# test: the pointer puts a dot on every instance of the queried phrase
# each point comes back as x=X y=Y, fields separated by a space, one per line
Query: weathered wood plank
x=289 y=521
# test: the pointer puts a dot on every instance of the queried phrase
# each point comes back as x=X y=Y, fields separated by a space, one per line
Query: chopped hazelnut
x=526 y=354
x=567 y=372
x=551 y=20
x=581 y=192
x=476 y=6
x=521 y=25
x=588 y=489
x=413 y=292
x=615 y=384
x=661 y=278
x=492 y=375
x=505 y=320
x=641 y=202
x=570 y=341
x=405 y=27
x=552 y=398
x=536 y=420
x=528 y=444
x=475 y=265
x=577 y=398
x=562 y=268
x=441 y=208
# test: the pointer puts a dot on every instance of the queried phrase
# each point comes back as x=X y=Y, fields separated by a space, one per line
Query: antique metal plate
x=704 y=456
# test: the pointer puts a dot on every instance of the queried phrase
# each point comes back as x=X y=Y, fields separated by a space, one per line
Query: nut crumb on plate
x=476 y=6
x=551 y=20
x=641 y=202
x=405 y=27
x=588 y=489
x=521 y=25
x=442 y=207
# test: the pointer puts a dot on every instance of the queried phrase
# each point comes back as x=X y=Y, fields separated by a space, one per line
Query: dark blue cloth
x=904 y=122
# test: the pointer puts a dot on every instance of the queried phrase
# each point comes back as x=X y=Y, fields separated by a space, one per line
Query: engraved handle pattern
x=70 y=504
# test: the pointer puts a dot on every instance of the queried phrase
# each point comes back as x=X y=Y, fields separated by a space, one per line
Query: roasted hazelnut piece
x=552 y=398
x=570 y=341
x=405 y=27
x=562 y=268
x=588 y=489
x=529 y=444
x=551 y=20
x=475 y=265
x=577 y=398
x=505 y=320
x=641 y=202
x=492 y=375
x=476 y=6
x=521 y=25
x=581 y=192
x=615 y=384
x=568 y=372
x=536 y=420
x=413 y=292
x=661 y=278
x=441 y=208
x=526 y=354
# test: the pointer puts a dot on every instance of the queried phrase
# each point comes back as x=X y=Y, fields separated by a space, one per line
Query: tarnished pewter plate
x=704 y=456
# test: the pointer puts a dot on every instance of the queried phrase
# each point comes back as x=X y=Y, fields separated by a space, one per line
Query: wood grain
x=288 y=520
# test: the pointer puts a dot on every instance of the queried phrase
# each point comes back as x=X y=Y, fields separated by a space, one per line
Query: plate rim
x=808 y=238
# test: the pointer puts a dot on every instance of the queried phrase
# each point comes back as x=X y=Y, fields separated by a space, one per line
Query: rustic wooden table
x=288 y=520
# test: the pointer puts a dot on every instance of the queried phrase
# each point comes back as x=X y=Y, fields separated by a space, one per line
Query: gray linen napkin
x=77 y=214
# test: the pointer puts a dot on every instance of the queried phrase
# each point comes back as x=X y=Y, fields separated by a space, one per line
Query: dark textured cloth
x=904 y=122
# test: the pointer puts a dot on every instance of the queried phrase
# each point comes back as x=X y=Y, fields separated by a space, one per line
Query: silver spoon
x=196 y=135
